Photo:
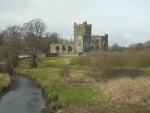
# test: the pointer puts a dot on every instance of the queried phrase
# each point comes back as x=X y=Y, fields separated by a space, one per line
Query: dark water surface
x=24 y=97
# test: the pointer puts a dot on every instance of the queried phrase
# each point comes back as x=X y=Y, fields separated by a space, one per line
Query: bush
x=2 y=68
x=114 y=62
x=55 y=105
x=82 y=60
x=106 y=60
x=52 y=97
x=65 y=71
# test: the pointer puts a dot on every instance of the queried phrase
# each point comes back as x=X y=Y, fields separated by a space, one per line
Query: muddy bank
x=4 y=90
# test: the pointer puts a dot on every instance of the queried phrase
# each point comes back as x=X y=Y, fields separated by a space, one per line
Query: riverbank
x=59 y=94
x=4 y=83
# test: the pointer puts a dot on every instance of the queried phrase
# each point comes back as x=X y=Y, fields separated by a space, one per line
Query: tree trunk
x=34 y=64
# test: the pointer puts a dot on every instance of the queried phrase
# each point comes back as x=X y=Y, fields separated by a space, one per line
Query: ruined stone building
x=84 y=41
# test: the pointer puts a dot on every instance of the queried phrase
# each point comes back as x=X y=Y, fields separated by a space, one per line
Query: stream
x=23 y=97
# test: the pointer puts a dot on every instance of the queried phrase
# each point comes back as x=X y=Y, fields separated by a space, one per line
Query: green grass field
x=55 y=63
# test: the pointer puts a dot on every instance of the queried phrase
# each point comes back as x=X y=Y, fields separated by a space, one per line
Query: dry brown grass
x=128 y=90
x=78 y=79
x=122 y=94
x=81 y=108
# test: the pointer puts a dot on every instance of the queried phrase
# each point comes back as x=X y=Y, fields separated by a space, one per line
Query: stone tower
x=104 y=42
x=81 y=31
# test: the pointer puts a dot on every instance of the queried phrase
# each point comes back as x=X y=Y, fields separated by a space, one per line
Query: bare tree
x=116 y=47
x=10 y=48
x=49 y=39
x=33 y=37
x=136 y=47
x=147 y=45
x=1 y=38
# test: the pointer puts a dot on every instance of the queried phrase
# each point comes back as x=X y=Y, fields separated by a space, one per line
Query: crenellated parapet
x=84 y=24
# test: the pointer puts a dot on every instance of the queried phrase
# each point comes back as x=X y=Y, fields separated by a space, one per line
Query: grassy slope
x=4 y=81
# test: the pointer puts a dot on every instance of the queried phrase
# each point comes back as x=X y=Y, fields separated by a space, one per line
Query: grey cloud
x=117 y=18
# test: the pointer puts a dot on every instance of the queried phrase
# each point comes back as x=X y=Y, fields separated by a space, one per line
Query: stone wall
x=99 y=43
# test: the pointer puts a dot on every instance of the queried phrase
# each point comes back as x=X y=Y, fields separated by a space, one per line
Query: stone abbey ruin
x=83 y=42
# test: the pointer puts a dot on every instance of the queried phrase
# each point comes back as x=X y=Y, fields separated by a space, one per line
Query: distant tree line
x=30 y=38
x=133 y=47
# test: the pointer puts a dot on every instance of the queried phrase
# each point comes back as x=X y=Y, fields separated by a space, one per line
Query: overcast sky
x=125 y=21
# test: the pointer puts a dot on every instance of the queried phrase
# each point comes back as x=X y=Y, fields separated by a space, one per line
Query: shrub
x=65 y=71
x=34 y=65
x=107 y=60
x=52 y=97
x=82 y=60
x=114 y=62
x=55 y=105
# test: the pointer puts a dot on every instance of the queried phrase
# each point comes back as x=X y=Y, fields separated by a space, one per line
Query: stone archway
x=57 y=49
x=69 y=49
x=92 y=48
x=63 y=49
x=96 y=48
